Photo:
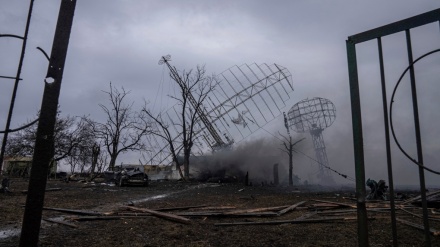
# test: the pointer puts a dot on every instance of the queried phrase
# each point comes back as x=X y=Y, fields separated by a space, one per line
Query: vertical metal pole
x=17 y=80
x=44 y=144
x=358 y=144
x=418 y=140
x=387 y=142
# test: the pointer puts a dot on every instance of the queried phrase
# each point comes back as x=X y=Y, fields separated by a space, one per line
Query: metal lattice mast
x=247 y=98
x=219 y=141
x=321 y=154
x=313 y=116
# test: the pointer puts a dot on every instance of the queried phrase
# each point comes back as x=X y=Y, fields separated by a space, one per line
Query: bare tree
x=194 y=88
x=124 y=128
x=288 y=148
x=70 y=136
x=101 y=162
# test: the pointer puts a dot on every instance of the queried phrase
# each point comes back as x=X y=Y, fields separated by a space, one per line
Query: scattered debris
x=378 y=190
x=49 y=189
x=180 y=208
x=61 y=222
x=335 y=210
x=5 y=185
x=167 y=216
x=290 y=208
x=254 y=210
x=126 y=176
x=337 y=203
x=295 y=221
x=432 y=199
x=433 y=231
x=72 y=211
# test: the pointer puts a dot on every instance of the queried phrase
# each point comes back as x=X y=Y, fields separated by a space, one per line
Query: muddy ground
x=201 y=231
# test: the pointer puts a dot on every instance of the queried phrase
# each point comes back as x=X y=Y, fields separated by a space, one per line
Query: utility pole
x=215 y=135
x=44 y=144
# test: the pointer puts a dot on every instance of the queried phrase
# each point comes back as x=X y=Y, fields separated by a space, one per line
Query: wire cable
x=391 y=114
x=20 y=128
x=327 y=167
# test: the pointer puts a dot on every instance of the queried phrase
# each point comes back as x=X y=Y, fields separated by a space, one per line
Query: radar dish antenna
x=313 y=116
x=247 y=98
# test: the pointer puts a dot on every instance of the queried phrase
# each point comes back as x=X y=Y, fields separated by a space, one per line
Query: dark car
x=127 y=176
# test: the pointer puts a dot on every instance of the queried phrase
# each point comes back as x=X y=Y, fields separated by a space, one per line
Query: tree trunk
x=95 y=154
x=186 y=166
x=180 y=170
x=290 y=169
x=275 y=174
x=112 y=162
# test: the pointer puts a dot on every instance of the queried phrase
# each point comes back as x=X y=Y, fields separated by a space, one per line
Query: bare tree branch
x=193 y=84
x=124 y=128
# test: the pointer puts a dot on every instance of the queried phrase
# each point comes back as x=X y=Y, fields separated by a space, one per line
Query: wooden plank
x=73 y=211
x=222 y=214
x=92 y=218
x=306 y=216
x=253 y=210
x=336 y=203
x=180 y=208
x=61 y=222
x=163 y=215
x=418 y=215
x=337 y=211
x=49 y=189
x=218 y=208
x=278 y=222
x=420 y=227
x=292 y=207
x=324 y=205
x=419 y=197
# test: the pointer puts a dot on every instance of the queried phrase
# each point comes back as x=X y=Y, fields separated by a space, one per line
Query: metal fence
x=377 y=34
x=16 y=79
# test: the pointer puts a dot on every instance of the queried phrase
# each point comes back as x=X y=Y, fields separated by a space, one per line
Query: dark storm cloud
x=122 y=41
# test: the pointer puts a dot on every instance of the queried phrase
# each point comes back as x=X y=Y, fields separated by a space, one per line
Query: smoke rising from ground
x=257 y=157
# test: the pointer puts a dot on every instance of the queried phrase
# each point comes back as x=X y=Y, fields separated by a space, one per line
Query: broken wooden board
x=419 y=197
x=306 y=216
x=295 y=221
x=180 y=208
x=47 y=190
x=290 y=208
x=254 y=210
x=418 y=215
x=218 y=208
x=223 y=214
x=163 y=215
x=420 y=227
x=337 y=203
x=73 y=211
x=61 y=222
x=116 y=217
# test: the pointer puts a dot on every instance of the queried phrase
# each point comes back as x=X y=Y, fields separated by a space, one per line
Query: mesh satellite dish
x=314 y=115
x=247 y=98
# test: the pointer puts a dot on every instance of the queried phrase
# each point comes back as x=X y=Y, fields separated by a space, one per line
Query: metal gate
x=16 y=80
x=405 y=26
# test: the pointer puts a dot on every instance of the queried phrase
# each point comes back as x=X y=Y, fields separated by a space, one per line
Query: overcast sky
x=122 y=41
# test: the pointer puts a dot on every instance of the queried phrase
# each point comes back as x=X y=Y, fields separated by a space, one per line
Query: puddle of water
x=9 y=233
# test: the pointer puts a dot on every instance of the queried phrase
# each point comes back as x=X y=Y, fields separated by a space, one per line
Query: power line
x=311 y=158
